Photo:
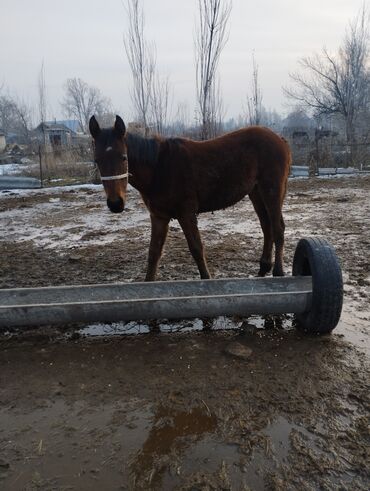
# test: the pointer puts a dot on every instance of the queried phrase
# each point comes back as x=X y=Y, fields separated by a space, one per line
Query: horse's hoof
x=264 y=268
x=205 y=277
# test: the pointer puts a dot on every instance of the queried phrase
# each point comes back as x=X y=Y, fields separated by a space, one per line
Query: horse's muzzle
x=116 y=206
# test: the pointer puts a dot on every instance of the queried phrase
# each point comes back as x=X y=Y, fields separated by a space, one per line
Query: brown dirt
x=250 y=404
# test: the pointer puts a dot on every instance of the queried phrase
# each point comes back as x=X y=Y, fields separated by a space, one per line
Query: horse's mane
x=144 y=150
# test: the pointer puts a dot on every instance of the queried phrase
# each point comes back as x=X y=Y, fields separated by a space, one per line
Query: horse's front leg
x=157 y=240
x=189 y=226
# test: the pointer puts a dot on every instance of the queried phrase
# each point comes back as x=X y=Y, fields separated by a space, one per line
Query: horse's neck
x=142 y=158
x=141 y=175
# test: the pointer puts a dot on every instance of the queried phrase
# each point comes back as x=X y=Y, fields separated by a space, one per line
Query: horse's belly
x=226 y=189
x=221 y=200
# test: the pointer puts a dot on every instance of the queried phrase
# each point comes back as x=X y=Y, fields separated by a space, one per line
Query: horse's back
x=246 y=154
x=256 y=142
x=268 y=147
x=217 y=173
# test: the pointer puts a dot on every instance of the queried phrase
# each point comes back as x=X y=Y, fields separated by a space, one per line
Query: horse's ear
x=119 y=126
x=94 y=127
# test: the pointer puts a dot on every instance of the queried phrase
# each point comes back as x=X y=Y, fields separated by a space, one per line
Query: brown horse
x=179 y=178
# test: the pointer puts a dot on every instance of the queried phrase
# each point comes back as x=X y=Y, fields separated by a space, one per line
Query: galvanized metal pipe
x=155 y=300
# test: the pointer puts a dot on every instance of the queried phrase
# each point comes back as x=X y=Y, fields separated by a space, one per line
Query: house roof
x=72 y=124
x=54 y=126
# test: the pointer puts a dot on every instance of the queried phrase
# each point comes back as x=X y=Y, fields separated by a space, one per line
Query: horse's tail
x=288 y=166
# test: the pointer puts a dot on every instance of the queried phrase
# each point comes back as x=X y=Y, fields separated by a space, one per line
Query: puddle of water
x=279 y=432
x=353 y=326
x=219 y=324
x=114 y=329
x=129 y=443
x=125 y=443
x=171 y=434
x=213 y=458
x=180 y=443
x=85 y=439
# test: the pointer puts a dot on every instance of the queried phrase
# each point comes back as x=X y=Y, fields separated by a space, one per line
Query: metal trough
x=156 y=300
x=314 y=293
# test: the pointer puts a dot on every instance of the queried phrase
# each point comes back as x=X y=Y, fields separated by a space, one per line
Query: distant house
x=72 y=124
x=2 y=141
x=299 y=134
x=54 y=133
x=304 y=135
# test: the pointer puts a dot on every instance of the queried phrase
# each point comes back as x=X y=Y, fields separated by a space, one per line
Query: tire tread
x=327 y=284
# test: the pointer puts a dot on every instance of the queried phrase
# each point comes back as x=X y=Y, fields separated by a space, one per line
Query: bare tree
x=254 y=100
x=271 y=118
x=338 y=84
x=182 y=115
x=181 y=120
x=210 y=38
x=41 y=86
x=141 y=57
x=298 y=118
x=82 y=100
x=159 y=103
x=16 y=117
x=217 y=109
x=24 y=115
x=7 y=114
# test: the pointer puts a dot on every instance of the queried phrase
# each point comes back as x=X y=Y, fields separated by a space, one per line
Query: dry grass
x=69 y=165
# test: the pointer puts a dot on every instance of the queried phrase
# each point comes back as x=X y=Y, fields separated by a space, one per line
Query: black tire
x=316 y=257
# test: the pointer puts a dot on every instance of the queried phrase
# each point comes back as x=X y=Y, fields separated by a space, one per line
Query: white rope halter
x=114 y=178
x=119 y=176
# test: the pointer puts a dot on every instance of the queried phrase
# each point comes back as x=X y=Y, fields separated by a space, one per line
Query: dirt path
x=249 y=404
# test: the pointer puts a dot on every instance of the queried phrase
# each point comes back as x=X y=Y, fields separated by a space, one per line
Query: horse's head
x=110 y=153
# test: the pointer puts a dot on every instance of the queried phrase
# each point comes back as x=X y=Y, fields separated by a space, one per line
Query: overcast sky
x=83 y=38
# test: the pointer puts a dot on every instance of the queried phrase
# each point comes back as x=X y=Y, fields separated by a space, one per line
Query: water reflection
x=249 y=323
x=172 y=432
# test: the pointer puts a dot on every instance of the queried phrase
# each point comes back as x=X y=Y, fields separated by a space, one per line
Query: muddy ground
x=232 y=404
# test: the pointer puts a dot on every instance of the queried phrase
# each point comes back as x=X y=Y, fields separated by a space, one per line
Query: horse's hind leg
x=189 y=226
x=157 y=240
x=264 y=218
x=273 y=203
x=278 y=227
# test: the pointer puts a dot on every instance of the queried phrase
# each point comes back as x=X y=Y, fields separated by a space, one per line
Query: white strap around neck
x=113 y=178
x=120 y=176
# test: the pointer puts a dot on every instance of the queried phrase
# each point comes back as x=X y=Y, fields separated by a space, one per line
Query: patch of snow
x=17 y=169
x=63 y=224
x=53 y=190
x=224 y=223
